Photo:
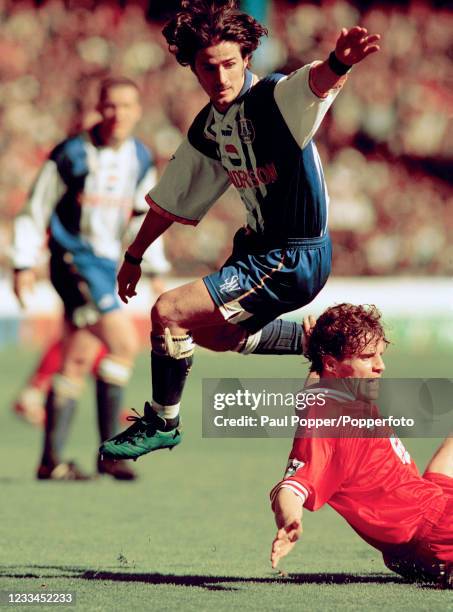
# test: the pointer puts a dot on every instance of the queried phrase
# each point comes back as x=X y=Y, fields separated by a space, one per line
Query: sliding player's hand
x=128 y=277
x=285 y=541
x=355 y=44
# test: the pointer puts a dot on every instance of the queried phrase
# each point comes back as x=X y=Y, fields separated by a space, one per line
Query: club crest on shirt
x=246 y=131
x=292 y=467
x=230 y=284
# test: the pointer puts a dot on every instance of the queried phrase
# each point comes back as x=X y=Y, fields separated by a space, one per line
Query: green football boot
x=144 y=436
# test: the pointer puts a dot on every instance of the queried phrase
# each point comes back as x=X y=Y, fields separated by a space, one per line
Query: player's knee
x=115 y=370
x=164 y=312
x=76 y=366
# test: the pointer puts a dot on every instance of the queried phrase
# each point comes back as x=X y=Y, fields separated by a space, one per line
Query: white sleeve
x=190 y=185
x=29 y=230
x=154 y=260
x=147 y=183
x=300 y=107
x=140 y=205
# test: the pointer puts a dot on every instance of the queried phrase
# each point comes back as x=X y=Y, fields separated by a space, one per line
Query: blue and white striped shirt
x=263 y=146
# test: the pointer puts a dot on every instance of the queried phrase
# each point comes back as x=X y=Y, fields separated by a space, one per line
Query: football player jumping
x=256 y=135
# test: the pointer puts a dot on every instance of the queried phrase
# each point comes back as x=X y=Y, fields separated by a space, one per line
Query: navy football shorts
x=86 y=284
x=255 y=286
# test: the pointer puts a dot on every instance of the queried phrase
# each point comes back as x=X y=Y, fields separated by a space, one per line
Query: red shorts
x=430 y=555
x=437 y=542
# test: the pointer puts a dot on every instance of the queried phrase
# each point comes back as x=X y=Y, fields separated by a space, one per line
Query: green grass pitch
x=194 y=532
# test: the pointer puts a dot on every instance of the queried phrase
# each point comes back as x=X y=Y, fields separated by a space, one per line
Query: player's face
x=220 y=70
x=365 y=368
x=120 y=111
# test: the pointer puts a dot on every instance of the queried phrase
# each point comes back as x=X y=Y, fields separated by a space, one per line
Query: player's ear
x=330 y=365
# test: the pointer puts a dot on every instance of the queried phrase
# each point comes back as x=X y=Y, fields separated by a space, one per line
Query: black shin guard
x=171 y=360
x=169 y=377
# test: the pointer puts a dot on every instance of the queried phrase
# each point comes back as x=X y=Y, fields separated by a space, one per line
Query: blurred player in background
x=256 y=135
x=371 y=481
x=29 y=404
x=87 y=194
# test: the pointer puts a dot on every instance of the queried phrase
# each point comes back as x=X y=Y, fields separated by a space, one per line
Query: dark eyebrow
x=225 y=61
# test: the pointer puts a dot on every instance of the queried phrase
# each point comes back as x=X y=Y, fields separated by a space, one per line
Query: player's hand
x=355 y=44
x=128 y=277
x=23 y=284
x=285 y=541
x=308 y=324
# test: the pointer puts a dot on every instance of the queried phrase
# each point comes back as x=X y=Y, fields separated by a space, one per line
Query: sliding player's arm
x=288 y=516
x=310 y=480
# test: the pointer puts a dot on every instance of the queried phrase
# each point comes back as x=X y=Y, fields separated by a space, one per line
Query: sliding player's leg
x=442 y=460
x=29 y=404
x=30 y=401
x=438 y=542
x=430 y=557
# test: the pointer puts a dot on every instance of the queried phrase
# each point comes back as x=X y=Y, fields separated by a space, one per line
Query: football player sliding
x=369 y=479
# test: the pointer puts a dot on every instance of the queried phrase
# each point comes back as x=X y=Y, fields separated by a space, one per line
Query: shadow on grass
x=211 y=583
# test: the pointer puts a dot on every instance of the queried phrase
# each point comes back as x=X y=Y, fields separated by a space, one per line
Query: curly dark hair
x=203 y=23
x=343 y=331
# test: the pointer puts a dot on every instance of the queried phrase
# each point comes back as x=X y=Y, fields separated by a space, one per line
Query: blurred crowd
x=386 y=144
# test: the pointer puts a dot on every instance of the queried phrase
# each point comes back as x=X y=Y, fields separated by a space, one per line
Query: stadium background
x=386 y=146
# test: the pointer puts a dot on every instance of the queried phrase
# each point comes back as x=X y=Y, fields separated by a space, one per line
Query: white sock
x=166 y=412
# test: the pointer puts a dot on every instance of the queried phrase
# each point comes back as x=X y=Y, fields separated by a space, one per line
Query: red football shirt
x=371 y=481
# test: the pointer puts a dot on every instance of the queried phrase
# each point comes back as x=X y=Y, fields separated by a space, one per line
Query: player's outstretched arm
x=288 y=517
x=352 y=46
x=129 y=274
x=356 y=44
